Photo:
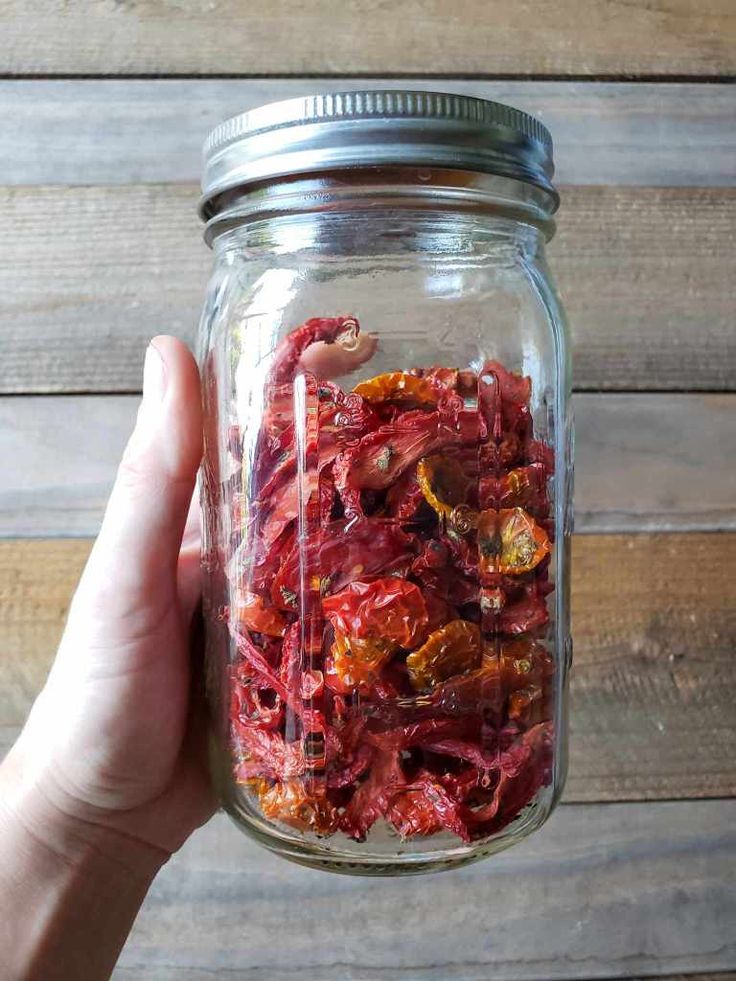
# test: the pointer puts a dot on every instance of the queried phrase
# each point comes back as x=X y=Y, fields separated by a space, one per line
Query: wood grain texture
x=436 y=36
x=602 y=891
x=88 y=275
x=654 y=626
x=234 y=974
x=151 y=131
x=37 y=580
x=643 y=462
x=146 y=973
x=652 y=697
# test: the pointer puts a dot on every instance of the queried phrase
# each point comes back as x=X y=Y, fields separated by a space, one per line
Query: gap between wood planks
x=634 y=78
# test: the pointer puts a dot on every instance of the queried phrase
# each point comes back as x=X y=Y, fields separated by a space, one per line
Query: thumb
x=131 y=573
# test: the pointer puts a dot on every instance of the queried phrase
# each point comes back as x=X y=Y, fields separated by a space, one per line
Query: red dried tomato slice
x=390 y=610
x=523 y=487
x=525 y=767
x=345 y=552
x=383 y=455
x=372 y=797
x=329 y=330
x=425 y=807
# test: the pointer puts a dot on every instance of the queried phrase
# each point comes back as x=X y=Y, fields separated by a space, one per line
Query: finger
x=188 y=571
x=132 y=567
x=193 y=526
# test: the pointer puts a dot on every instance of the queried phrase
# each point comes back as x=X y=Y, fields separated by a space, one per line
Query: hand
x=115 y=742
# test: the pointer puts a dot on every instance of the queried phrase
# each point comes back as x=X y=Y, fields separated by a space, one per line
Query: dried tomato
x=383 y=455
x=388 y=595
x=444 y=484
x=357 y=662
x=516 y=389
x=254 y=706
x=257 y=613
x=397 y=387
x=510 y=542
x=451 y=650
x=404 y=498
x=389 y=610
x=425 y=807
x=524 y=615
x=328 y=330
x=345 y=552
x=525 y=767
x=524 y=487
x=290 y=802
x=267 y=753
x=372 y=797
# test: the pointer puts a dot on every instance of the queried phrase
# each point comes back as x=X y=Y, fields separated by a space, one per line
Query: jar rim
x=375 y=128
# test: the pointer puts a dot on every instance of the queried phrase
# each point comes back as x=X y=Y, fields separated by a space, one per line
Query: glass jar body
x=386 y=493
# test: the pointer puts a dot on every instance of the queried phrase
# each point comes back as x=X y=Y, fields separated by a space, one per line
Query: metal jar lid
x=384 y=127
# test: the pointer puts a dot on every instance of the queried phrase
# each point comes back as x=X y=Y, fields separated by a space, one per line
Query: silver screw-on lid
x=384 y=127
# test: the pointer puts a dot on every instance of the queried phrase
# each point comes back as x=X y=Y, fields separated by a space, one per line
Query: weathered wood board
x=602 y=891
x=106 y=131
x=654 y=624
x=669 y=37
x=640 y=462
x=89 y=274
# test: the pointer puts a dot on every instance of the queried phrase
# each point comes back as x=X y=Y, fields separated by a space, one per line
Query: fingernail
x=154 y=375
x=149 y=411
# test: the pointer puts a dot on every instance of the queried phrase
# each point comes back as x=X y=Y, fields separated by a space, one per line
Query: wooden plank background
x=104 y=108
x=309 y=37
x=652 y=690
x=143 y=264
x=640 y=461
x=151 y=131
x=545 y=910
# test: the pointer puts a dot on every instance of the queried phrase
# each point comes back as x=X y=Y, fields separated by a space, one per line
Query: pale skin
x=109 y=776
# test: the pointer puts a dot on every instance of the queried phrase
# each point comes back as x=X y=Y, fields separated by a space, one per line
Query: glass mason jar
x=386 y=482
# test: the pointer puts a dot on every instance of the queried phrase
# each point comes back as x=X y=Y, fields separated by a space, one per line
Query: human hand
x=115 y=741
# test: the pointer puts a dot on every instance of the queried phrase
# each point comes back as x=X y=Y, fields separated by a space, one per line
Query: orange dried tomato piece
x=524 y=662
x=398 y=387
x=357 y=662
x=444 y=484
x=288 y=801
x=526 y=671
x=252 y=611
x=453 y=649
x=510 y=542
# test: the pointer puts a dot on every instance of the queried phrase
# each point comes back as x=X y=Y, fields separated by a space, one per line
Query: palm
x=129 y=744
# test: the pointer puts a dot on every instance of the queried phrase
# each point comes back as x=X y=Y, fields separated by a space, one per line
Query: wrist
x=33 y=808
x=83 y=883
